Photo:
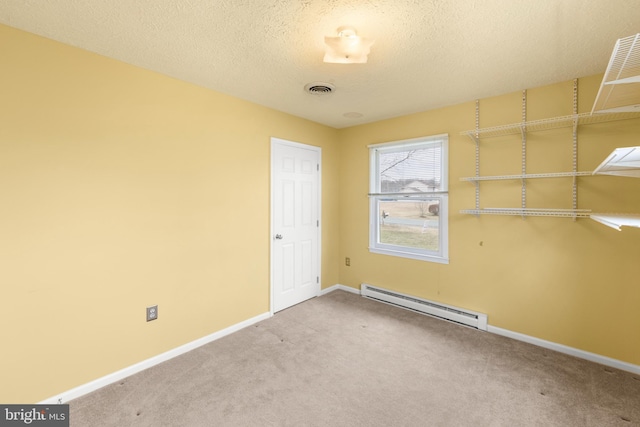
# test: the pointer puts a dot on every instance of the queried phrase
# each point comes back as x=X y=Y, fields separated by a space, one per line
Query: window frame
x=442 y=196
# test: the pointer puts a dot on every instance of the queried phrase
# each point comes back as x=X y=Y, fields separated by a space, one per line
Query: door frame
x=279 y=141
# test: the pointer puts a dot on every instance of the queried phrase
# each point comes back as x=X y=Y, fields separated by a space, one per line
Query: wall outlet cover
x=152 y=313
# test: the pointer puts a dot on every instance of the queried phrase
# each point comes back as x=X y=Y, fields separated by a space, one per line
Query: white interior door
x=295 y=223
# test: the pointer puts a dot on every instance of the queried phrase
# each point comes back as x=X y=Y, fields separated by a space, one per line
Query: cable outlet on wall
x=152 y=313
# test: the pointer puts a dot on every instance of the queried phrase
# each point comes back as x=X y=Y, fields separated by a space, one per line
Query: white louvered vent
x=319 y=88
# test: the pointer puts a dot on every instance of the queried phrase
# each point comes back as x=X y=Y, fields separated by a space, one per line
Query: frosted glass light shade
x=347 y=48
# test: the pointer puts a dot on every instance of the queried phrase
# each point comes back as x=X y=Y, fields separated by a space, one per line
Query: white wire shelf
x=623 y=161
x=560 y=213
x=525 y=176
x=547 y=124
x=613 y=220
x=617 y=220
x=620 y=90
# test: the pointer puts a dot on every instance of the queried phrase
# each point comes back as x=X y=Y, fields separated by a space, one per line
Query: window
x=408 y=212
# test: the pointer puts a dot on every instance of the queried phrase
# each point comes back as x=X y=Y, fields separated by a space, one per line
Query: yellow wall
x=121 y=188
x=573 y=283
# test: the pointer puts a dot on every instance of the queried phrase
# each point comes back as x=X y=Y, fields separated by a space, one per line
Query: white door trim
x=279 y=141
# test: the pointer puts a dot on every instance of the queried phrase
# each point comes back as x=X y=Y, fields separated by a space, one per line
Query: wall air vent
x=319 y=88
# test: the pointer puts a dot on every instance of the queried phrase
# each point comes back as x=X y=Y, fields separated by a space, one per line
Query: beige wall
x=122 y=188
x=573 y=283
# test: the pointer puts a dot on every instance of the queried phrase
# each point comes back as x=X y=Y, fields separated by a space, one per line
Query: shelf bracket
x=477 y=140
x=524 y=149
x=575 y=146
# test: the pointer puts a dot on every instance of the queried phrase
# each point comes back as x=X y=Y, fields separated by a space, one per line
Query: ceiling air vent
x=319 y=88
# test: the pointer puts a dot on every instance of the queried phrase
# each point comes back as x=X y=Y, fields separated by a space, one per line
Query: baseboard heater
x=443 y=311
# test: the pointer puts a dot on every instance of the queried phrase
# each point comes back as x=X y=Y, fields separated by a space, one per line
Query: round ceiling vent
x=319 y=88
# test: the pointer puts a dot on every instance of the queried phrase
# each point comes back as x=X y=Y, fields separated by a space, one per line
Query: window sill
x=410 y=255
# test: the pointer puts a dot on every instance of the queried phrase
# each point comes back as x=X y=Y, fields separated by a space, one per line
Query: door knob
x=278 y=236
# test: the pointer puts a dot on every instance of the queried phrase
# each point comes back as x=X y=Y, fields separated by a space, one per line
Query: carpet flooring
x=344 y=360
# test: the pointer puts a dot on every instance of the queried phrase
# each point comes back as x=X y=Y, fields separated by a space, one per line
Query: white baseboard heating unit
x=443 y=311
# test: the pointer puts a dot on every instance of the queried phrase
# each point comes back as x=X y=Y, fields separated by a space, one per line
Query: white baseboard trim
x=581 y=354
x=145 y=364
x=340 y=288
x=593 y=357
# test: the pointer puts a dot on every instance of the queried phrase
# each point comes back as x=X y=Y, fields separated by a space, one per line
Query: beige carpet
x=344 y=360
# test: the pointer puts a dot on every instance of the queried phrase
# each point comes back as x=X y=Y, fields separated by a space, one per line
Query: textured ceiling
x=427 y=53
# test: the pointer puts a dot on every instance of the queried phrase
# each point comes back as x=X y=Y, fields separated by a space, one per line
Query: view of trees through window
x=408 y=221
x=409 y=198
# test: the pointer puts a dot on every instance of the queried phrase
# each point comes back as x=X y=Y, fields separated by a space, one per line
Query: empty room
x=286 y=213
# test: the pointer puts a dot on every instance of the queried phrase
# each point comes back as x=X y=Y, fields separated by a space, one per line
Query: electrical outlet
x=152 y=313
x=347 y=261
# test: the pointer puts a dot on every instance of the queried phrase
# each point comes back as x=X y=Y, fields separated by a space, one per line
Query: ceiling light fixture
x=347 y=48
